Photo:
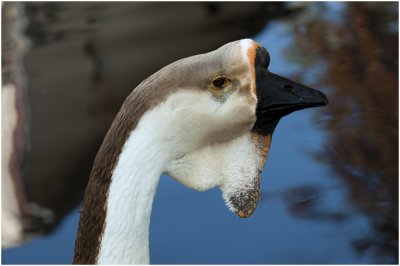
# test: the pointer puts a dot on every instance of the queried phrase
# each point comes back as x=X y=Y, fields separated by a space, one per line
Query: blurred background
x=330 y=185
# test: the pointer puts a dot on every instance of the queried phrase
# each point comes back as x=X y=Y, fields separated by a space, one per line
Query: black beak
x=278 y=96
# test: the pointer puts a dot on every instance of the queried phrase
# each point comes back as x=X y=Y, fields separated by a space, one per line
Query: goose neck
x=133 y=186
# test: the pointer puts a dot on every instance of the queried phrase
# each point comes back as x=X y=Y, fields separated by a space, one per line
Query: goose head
x=228 y=117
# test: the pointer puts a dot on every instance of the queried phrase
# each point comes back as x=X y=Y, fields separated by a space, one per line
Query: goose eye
x=220 y=82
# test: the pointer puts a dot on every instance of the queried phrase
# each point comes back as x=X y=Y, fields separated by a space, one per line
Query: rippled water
x=330 y=185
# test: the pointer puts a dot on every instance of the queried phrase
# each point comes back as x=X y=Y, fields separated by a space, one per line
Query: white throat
x=132 y=189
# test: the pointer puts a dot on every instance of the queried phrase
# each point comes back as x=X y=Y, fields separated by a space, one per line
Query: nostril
x=287 y=87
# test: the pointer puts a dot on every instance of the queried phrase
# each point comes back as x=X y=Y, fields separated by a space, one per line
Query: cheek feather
x=251 y=55
x=249 y=86
x=262 y=144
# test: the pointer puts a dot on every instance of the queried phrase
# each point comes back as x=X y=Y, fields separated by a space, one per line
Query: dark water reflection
x=360 y=57
x=330 y=187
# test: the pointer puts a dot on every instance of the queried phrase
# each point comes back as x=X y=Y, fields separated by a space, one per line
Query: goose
x=206 y=121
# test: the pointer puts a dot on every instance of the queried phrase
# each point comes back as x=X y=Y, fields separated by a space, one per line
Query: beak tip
x=326 y=101
x=323 y=99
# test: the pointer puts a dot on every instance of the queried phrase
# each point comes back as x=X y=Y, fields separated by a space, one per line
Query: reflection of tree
x=358 y=49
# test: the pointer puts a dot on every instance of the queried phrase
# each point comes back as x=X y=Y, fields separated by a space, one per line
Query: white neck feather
x=133 y=186
x=135 y=178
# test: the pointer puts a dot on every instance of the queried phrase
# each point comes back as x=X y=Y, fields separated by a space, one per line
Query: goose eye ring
x=220 y=82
